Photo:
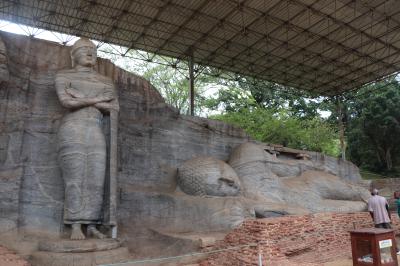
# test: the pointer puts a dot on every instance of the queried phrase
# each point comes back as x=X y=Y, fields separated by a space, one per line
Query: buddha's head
x=207 y=176
x=83 y=53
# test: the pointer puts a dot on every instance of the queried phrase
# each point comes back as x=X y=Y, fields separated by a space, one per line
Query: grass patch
x=370 y=176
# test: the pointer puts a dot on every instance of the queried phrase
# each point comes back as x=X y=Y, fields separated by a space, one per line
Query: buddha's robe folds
x=82 y=146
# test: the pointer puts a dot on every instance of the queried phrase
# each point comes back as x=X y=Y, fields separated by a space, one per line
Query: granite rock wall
x=153 y=141
x=153 y=138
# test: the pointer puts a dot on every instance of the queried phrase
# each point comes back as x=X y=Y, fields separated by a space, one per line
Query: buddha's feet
x=77 y=233
x=92 y=231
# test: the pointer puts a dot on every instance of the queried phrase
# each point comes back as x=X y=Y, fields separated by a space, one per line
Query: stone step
x=184 y=249
x=47 y=258
x=88 y=252
x=204 y=239
x=178 y=261
x=78 y=246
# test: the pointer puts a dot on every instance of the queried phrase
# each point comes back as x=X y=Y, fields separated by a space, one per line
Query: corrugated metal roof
x=325 y=46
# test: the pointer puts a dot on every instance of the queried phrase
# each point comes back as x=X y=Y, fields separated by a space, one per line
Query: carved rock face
x=4 y=73
x=311 y=188
x=203 y=176
x=85 y=56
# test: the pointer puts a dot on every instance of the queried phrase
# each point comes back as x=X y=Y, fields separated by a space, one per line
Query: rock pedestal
x=79 y=252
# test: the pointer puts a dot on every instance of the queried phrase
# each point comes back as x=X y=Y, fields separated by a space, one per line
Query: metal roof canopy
x=323 y=46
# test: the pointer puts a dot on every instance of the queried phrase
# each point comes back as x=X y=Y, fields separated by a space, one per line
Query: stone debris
x=321 y=239
x=9 y=258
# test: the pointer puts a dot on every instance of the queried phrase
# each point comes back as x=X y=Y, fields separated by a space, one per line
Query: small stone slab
x=78 y=246
x=303 y=156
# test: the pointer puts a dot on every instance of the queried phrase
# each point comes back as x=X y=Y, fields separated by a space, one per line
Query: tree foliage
x=245 y=92
x=272 y=113
x=374 y=127
x=266 y=125
x=172 y=85
x=171 y=82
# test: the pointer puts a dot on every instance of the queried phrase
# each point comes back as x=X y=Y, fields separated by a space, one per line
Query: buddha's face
x=85 y=56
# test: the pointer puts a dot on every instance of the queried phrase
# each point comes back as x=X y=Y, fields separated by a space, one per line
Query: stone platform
x=79 y=252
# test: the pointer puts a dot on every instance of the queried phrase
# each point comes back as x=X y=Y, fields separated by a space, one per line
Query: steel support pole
x=191 y=84
x=341 y=129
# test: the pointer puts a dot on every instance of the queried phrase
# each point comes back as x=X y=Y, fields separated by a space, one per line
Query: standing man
x=397 y=199
x=378 y=207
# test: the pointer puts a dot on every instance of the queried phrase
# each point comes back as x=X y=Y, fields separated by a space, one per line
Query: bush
x=280 y=128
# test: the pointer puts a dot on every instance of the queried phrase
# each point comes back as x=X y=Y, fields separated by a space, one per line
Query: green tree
x=374 y=126
x=274 y=96
x=230 y=99
x=244 y=92
x=172 y=85
x=169 y=76
x=266 y=125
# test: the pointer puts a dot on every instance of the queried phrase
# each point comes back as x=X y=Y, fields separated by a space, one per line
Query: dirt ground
x=9 y=258
x=345 y=262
